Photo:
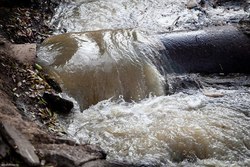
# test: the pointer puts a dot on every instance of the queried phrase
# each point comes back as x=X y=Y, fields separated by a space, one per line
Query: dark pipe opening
x=214 y=50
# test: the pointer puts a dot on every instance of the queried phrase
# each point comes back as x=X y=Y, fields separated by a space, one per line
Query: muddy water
x=99 y=65
x=169 y=130
x=116 y=78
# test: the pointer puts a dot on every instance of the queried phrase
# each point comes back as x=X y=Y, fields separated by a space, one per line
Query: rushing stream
x=131 y=103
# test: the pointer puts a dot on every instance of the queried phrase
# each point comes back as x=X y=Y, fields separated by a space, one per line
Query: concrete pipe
x=215 y=50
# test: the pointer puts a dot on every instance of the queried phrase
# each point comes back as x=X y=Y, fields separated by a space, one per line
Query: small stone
x=24 y=53
x=19 y=84
x=43 y=162
x=20 y=144
x=17 y=95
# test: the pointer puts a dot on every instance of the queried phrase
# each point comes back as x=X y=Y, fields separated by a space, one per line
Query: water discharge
x=112 y=68
x=95 y=66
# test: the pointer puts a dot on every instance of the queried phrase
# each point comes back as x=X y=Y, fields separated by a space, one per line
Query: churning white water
x=113 y=74
x=169 y=130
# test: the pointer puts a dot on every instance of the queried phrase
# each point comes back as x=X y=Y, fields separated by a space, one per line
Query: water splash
x=185 y=129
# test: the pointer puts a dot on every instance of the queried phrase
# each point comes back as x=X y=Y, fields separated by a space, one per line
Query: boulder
x=70 y=156
x=19 y=143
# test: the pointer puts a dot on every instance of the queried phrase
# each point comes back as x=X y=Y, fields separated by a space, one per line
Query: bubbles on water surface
x=162 y=130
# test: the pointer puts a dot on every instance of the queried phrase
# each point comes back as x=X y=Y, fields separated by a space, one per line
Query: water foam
x=181 y=128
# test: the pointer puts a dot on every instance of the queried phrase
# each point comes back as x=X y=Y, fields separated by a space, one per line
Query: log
x=214 y=50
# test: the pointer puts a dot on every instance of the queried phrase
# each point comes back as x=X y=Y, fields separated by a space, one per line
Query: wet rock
x=4 y=148
x=53 y=84
x=182 y=83
x=67 y=141
x=222 y=49
x=225 y=82
x=244 y=25
x=58 y=104
x=70 y=156
x=19 y=143
x=104 y=163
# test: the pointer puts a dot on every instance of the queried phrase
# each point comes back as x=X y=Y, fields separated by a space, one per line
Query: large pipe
x=214 y=50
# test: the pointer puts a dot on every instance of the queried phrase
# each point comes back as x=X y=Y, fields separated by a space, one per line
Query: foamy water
x=169 y=130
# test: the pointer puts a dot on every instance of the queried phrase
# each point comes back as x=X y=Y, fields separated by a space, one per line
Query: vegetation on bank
x=26 y=21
